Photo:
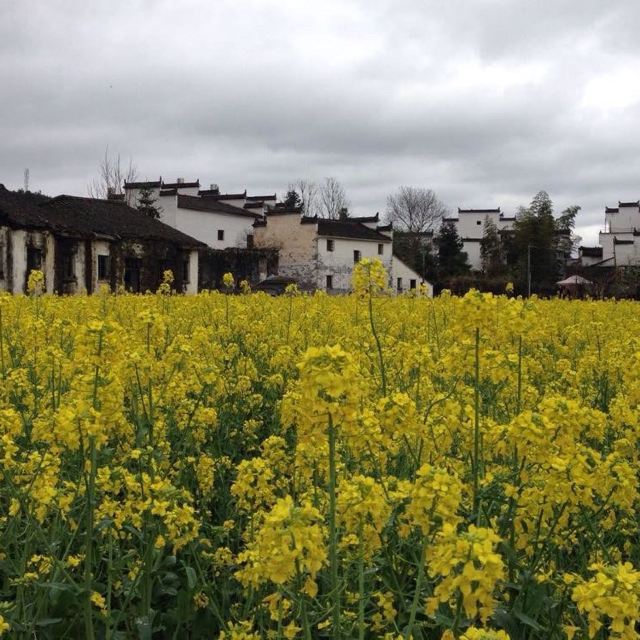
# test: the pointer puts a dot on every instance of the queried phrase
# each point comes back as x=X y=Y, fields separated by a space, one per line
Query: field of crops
x=240 y=466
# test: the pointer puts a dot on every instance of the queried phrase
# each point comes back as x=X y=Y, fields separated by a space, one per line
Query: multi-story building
x=221 y=220
x=470 y=225
x=321 y=253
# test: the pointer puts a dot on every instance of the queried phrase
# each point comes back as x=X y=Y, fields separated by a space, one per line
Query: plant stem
x=333 y=538
x=476 y=426
x=383 y=373
x=416 y=595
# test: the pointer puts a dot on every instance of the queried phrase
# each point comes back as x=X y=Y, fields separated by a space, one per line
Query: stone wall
x=253 y=265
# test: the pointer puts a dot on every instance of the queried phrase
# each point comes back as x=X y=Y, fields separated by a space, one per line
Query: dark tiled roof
x=261 y=198
x=497 y=210
x=507 y=218
x=629 y=204
x=196 y=203
x=349 y=229
x=181 y=185
x=617 y=241
x=449 y=219
x=471 y=239
x=591 y=252
x=90 y=217
x=385 y=227
x=366 y=218
x=281 y=209
x=22 y=209
x=168 y=192
x=140 y=185
x=611 y=209
x=216 y=195
x=260 y=223
x=308 y=219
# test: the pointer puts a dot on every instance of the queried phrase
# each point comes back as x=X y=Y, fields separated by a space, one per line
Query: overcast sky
x=484 y=101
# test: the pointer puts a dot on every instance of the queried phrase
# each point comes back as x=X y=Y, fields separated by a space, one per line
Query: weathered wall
x=4 y=255
x=296 y=244
x=400 y=270
x=204 y=226
x=253 y=265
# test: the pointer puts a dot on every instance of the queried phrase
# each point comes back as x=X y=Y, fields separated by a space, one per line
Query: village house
x=321 y=253
x=82 y=243
x=220 y=220
x=470 y=225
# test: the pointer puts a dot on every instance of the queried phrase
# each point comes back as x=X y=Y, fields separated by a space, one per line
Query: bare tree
x=308 y=192
x=111 y=176
x=333 y=199
x=415 y=209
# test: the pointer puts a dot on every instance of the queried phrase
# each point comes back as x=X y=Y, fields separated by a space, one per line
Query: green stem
x=361 y=602
x=383 y=372
x=88 y=612
x=476 y=426
x=333 y=537
x=416 y=595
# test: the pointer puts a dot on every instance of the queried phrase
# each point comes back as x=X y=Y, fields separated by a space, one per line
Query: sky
x=484 y=101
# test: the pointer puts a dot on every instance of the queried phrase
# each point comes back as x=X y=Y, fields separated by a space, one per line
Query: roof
x=282 y=209
x=497 y=210
x=181 y=185
x=611 y=209
x=375 y=218
x=591 y=252
x=141 y=185
x=349 y=229
x=212 y=205
x=617 y=241
x=385 y=227
x=507 y=218
x=91 y=217
x=575 y=280
x=262 y=198
x=22 y=209
x=168 y=192
x=629 y=204
x=216 y=195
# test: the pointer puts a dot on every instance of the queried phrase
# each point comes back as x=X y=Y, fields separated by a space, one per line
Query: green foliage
x=452 y=260
x=292 y=199
x=147 y=202
x=491 y=251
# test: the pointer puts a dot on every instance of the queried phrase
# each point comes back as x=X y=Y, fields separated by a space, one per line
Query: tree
x=111 y=177
x=308 y=193
x=292 y=200
x=333 y=199
x=415 y=209
x=147 y=202
x=452 y=260
x=541 y=244
x=491 y=252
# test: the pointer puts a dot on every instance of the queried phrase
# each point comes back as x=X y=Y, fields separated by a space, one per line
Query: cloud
x=485 y=101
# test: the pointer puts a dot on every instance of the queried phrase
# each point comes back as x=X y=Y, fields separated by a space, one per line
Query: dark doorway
x=132 y=268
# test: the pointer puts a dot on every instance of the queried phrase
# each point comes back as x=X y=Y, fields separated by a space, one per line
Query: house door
x=132 y=274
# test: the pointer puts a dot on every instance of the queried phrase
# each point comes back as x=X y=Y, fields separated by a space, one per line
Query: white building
x=221 y=220
x=620 y=240
x=321 y=253
x=470 y=225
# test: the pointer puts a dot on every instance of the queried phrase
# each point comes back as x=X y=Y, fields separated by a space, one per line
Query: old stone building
x=82 y=243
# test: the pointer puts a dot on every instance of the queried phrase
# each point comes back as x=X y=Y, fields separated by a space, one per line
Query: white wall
x=472 y=249
x=339 y=263
x=192 y=286
x=204 y=226
x=627 y=219
x=401 y=270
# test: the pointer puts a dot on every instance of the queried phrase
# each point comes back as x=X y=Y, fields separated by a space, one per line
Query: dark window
x=185 y=270
x=380 y=249
x=34 y=259
x=68 y=266
x=329 y=282
x=330 y=245
x=399 y=284
x=356 y=256
x=104 y=267
x=132 y=268
x=220 y=234
x=478 y=221
x=412 y=284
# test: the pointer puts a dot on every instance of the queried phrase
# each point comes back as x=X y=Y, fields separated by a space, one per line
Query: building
x=321 y=253
x=470 y=225
x=620 y=240
x=220 y=220
x=82 y=243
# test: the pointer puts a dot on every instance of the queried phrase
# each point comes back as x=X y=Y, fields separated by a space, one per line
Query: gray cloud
x=485 y=101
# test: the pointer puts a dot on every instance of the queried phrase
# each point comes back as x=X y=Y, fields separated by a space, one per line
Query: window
x=412 y=284
x=380 y=249
x=330 y=244
x=34 y=259
x=356 y=256
x=399 y=284
x=68 y=265
x=220 y=234
x=104 y=267
x=329 y=282
x=185 y=270
x=478 y=222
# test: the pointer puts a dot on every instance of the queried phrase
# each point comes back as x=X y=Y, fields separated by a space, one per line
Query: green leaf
x=192 y=579
x=525 y=619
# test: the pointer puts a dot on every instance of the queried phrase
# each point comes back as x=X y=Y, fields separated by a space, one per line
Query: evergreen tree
x=452 y=260
x=491 y=252
x=292 y=199
x=147 y=202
